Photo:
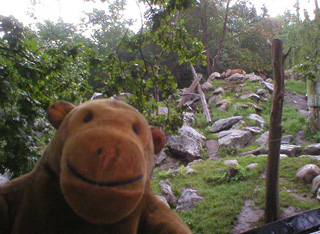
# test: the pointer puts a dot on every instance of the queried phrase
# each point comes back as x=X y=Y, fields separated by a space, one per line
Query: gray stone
x=253 y=78
x=253 y=129
x=259 y=120
x=166 y=191
x=269 y=80
x=163 y=199
x=188 y=199
x=213 y=76
x=212 y=149
x=307 y=173
x=159 y=158
x=235 y=77
x=254 y=97
x=218 y=91
x=315 y=184
x=240 y=125
x=214 y=98
x=234 y=138
x=268 y=86
x=257 y=108
x=263 y=139
x=262 y=92
x=186 y=145
x=290 y=150
x=188 y=118
x=312 y=149
x=206 y=86
x=231 y=162
x=224 y=124
x=252 y=166
x=223 y=105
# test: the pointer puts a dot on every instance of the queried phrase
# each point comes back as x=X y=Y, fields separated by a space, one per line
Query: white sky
x=72 y=10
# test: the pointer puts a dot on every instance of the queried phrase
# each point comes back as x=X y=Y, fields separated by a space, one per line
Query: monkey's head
x=105 y=152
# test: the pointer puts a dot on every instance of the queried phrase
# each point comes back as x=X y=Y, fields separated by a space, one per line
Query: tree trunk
x=215 y=59
x=272 y=209
x=313 y=91
x=204 y=23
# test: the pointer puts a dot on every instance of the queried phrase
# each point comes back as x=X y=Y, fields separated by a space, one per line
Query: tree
x=33 y=74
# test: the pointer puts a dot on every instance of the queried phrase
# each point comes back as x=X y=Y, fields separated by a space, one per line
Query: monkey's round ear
x=58 y=111
x=159 y=139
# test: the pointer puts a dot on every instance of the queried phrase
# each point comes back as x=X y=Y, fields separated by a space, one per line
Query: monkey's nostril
x=99 y=151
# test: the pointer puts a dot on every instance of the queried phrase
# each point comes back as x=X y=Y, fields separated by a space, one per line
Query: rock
x=253 y=129
x=231 y=173
x=269 y=80
x=190 y=170
x=262 y=92
x=307 y=173
x=188 y=118
x=257 y=108
x=268 y=86
x=213 y=76
x=188 y=199
x=214 y=98
x=206 y=86
x=312 y=149
x=212 y=149
x=235 y=77
x=283 y=156
x=166 y=191
x=253 y=78
x=231 y=162
x=163 y=199
x=290 y=150
x=223 y=105
x=218 y=91
x=252 y=166
x=240 y=125
x=263 y=139
x=224 y=124
x=286 y=139
x=186 y=145
x=315 y=184
x=259 y=120
x=235 y=138
x=252 y=96
x=159 y=158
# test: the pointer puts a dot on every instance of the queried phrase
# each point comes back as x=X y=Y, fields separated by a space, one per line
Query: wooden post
x=272 y=209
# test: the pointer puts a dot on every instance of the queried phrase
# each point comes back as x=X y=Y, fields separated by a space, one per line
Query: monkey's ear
x=159 y=139
x=58 y=111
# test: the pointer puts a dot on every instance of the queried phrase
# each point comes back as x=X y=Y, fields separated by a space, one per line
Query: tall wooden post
x=272 y=209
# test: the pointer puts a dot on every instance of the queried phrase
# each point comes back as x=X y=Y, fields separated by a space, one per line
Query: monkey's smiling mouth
x=102 y=184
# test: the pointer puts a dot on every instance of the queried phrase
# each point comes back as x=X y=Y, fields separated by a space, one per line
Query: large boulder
x=188 y=199
x=188 y=144
x=312 y=149
x=315 y=184
x=253 y=77
x=225 y=124
x=213 y=76
x=234 y=138
x=307 y=173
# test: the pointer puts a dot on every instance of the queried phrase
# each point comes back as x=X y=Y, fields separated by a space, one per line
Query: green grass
x=222 y=203
x=296 y=86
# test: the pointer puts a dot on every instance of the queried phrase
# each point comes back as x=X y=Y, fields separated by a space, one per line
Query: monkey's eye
x=88 y=117
x=135 y=129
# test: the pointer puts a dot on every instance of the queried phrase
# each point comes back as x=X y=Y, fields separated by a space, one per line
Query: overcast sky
x=71 y=10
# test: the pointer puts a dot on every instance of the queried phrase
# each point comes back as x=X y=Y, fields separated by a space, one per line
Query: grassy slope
x=222 y=203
